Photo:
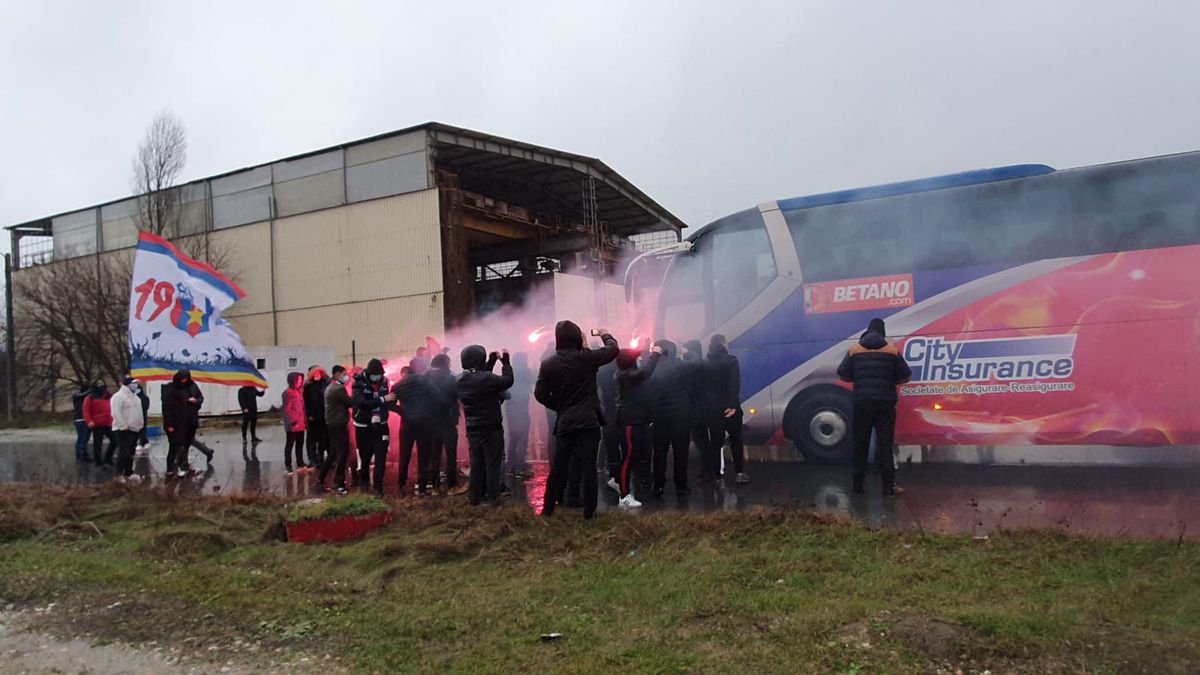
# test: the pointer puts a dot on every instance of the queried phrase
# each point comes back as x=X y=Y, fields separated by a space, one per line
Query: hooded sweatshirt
x=294 y=418
x=670 y=389
x=480 y=390
x=874 y=367
x=178 y=413
x=634 y=394
x=314 y=396
x=566 y=382
x=723 y=377
x=693 y=359
x=97 y=409
x=444 y=390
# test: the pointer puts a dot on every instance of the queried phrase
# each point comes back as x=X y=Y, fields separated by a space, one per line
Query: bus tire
x=818 y=421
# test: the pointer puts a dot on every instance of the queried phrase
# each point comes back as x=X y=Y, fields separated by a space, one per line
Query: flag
x=175 y=306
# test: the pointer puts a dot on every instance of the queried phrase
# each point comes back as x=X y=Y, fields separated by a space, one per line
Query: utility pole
x=10 y=342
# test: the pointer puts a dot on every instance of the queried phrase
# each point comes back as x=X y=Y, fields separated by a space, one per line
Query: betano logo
x=850 y=295
x=936 y=359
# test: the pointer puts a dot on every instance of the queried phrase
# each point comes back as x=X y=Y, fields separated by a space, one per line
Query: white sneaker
x=616 y=487
x=135 y=479
x=181 y=473
x=628 y=502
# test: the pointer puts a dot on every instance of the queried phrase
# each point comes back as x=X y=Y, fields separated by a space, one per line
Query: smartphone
x=596 y=333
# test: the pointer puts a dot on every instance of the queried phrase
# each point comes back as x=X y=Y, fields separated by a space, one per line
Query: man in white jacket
x=127 y=423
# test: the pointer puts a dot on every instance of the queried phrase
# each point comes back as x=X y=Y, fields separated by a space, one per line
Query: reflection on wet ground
x=1120 y=501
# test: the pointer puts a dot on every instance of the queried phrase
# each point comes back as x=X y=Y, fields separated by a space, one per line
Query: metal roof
x=541 y=175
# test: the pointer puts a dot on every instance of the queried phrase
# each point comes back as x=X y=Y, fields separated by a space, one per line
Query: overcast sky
x=708 y=107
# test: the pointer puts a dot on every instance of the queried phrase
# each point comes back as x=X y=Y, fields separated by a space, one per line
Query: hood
x=316 y=374
x=695 y=351
x=419 y=365
x=99 y=388
x=441 y=362
x=181 y=377
x=873 y=340
x=473 y=357
x=668 y=347
x=877 y=326
x=374 y=367
x=627 y=358
x=567 y=335
x=294 y=379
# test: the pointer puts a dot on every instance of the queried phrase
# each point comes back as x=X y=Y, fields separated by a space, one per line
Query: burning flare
x=537 y=334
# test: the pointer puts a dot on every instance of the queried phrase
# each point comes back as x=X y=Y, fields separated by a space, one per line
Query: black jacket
x=723 y=379
x=876 y=368
x=635 y=395
x=444 y=387
x=366 y=397
x=248 y=398
x=606 y=382
x=480 y=390
x=566 y=382
x=669 y=388
x=416 y=399
x=693 y=359
x=337 y=405
x=314 y=401
x=178 y=413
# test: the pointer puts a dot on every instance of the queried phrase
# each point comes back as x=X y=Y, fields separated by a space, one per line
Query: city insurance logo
x=849 y=295
x=1039 y=364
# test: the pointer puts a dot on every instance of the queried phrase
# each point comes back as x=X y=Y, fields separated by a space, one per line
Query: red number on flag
x=163 y=292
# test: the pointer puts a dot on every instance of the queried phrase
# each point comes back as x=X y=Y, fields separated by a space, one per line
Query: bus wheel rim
x=828 y=428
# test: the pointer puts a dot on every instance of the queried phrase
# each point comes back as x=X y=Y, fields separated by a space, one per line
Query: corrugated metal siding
x=386 y=147
x=74 y=234
x=380 y=249
x=309 y=193
x=249 y=265
x=385 y=177
x=381 y=328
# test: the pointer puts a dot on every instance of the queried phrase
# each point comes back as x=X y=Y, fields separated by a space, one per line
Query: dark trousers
x=337 y=457
x=294 y=443
x=98 y=436
x=444 y=441
x=419 y=434
x=675 y=439
x=710 y=458
x=579 y=446
x=250 y=421
x=317 y=443
x=179 y=442
x=638 y=446
x=880 y=417
x=372 y=446
x=125 y=442
x=718 y=429
x=518 y=436
x=82 y=435
x=613 y=438
x=487 y=454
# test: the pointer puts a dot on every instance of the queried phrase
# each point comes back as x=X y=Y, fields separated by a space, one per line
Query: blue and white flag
x=175 y=322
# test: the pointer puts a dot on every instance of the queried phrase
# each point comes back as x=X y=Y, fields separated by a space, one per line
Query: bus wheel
x=818 y=422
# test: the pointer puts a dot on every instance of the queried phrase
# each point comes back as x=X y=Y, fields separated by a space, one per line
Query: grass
x=449 y=587
x=352 y=505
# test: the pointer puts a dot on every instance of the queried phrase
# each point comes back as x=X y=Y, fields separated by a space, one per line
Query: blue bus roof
x=919 y=185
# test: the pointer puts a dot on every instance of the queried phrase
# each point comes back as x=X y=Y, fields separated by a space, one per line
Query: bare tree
x=160 y=159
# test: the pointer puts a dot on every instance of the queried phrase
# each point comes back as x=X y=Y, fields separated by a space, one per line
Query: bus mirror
x=671 y=249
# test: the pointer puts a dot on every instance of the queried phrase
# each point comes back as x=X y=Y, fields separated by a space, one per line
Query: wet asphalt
x=1159 y=502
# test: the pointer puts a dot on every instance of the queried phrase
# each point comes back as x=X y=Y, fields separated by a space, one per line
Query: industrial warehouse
x=368 y=247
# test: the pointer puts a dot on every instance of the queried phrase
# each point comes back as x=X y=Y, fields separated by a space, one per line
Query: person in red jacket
x=294 y=422
x=97 y=414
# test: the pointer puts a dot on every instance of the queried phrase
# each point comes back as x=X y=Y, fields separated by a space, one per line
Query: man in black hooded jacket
x=566 y=384
x=417 y=398
x=875 y=368
x=710 y=464
x=481 y=392
x=181 y=401
x=670 y=414
x=371 y=402
x=444 y=435
x=724 y=379
x=634 y=403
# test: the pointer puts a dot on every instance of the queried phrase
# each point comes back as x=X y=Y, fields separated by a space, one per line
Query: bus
x=1037 y=307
